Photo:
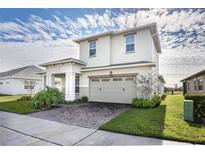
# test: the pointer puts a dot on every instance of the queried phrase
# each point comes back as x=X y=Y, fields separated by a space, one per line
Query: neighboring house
x=109 y=66
x=21 y=81
x=194 y=83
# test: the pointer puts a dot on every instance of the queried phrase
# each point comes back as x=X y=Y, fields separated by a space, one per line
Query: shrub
x=84 y=99
x=141 y=103
x=163 y=97
x=25 y=98
x=146 y=103
x=199 y=107
x=46 y=98
x=156 y=100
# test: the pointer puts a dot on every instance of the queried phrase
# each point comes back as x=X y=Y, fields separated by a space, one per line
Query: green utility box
x=188 y=110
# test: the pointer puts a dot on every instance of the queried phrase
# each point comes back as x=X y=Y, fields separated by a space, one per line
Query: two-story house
x=109 y=65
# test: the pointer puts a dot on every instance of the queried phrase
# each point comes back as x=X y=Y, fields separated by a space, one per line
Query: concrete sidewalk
x=18 y=129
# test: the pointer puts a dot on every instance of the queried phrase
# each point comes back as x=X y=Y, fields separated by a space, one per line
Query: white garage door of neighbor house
x=116 y=89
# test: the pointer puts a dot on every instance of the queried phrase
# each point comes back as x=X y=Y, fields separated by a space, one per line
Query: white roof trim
x=114 y=67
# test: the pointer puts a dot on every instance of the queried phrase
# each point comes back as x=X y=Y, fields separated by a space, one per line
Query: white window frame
x=134 y=35
x=92 y=48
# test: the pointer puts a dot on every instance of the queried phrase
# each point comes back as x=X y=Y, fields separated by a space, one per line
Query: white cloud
x=35 y=53
x=170 y=25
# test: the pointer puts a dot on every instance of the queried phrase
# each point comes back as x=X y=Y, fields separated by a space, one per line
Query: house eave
x=63 y=61
x=193 y=76
x=115 y=67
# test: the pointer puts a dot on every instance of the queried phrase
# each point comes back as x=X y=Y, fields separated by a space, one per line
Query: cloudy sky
x=34 y=36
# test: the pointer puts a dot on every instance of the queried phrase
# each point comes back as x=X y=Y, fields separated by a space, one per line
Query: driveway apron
x=19 y=130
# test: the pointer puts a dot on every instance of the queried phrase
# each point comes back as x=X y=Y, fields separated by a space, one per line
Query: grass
x=10 y=104
x=9 y=98
x=165 y=121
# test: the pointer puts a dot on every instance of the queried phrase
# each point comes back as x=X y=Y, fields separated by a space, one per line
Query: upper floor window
x=130 y=43
x=200 y=84
x=92 y=48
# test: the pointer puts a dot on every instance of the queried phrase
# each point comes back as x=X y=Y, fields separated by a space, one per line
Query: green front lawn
x=10 y=104
x=164 y=122
x=9 y=98
x=21 y=107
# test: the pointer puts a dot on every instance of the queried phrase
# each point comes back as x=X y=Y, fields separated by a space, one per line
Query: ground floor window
x=28 y=84
x=188 y=86
x=200 y=84
x=77 y=83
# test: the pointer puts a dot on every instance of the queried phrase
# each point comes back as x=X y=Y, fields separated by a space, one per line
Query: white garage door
x=116 y=90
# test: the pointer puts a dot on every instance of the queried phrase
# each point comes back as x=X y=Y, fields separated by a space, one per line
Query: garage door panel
x=112 y=91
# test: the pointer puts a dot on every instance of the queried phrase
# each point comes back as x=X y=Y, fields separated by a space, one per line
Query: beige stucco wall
x=84 y=80
x=102 y=57
x=15 y=86
x=143 y=48
x=111 y=50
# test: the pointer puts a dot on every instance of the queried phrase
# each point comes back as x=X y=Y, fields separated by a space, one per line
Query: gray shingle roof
x=27 y=71
x=193 y=75
x=11 y=72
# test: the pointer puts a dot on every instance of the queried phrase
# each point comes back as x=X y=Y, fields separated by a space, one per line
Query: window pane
x=129 y=39
x=92 y=48
x=77 y=82
x=92 y=52
x=105 y=79
x=92 y=45
x=129 y=79
x=200 y=84
x=117 y=79
x=130 y=47
x=77 y=90
x=95 y=80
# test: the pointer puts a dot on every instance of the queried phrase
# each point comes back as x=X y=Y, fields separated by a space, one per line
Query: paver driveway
x=25 y=130
x=89 y=115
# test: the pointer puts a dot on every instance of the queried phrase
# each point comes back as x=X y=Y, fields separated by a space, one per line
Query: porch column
x=43 y=80
x=50 y=80
x=70 y=86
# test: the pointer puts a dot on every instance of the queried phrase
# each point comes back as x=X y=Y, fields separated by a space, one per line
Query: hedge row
x=199 y=106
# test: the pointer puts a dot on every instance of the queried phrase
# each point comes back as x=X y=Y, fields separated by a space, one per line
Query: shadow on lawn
x=159 y=119
x=197 y=125
x=158 y=124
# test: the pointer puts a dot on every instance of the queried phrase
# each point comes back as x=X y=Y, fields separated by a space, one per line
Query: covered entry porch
x=64 y=75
